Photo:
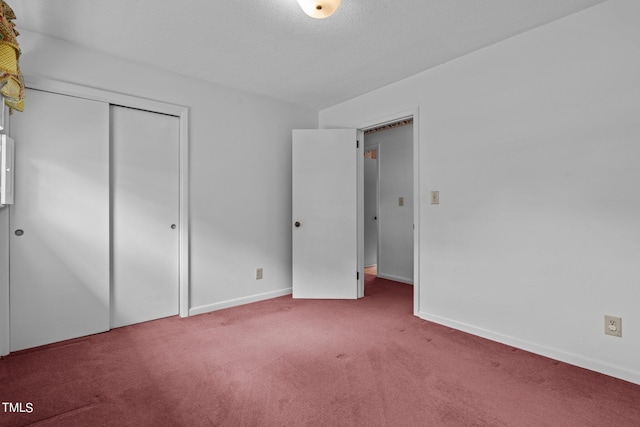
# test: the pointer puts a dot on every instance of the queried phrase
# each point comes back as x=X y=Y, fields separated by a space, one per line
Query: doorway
x=389 y=201
x=356 y=140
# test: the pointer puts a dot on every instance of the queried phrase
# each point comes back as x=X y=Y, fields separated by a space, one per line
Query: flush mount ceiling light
x=319 y=8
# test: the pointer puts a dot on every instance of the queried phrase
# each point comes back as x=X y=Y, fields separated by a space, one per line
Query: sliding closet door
x=59 y=242
x=145 y=201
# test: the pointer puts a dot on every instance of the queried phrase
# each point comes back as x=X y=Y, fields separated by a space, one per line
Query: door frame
x=182 y=112
x=376 y=147
x=5 y=331
x=389 y=119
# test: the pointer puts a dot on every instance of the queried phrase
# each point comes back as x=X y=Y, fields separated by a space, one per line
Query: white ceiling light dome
x=319 y=8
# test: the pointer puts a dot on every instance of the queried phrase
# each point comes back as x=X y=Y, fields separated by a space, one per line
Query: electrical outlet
x=613 y=326
x=258 y=273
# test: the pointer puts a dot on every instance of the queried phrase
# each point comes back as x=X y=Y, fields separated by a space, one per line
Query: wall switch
x=435 y=197
x=400 y=201
x=258 y=273
x=613 y=326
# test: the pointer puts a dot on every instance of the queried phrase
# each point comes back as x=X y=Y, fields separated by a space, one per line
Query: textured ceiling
x=271 y=47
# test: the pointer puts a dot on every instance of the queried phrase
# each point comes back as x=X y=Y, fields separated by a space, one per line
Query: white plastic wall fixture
x=6 y=170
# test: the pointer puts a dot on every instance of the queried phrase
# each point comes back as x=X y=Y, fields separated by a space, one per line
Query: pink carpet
x=286 y=362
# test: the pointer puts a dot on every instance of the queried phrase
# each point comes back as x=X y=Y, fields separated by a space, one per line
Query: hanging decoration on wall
x=11 y=79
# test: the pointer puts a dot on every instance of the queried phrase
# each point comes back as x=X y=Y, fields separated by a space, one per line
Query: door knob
x=297 y=224
x=173 y=226
x=19 y=232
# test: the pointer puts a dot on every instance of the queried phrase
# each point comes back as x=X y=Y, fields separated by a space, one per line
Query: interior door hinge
x=357 y=275
x=357 y=144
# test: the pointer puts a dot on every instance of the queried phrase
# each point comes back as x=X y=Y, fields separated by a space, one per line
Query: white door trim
x=360 y=210
x=130 y=101
x=5 y=331
x=392 y=118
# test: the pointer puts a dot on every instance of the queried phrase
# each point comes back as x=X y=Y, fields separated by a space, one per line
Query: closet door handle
x=173 y=226
x=19 y=232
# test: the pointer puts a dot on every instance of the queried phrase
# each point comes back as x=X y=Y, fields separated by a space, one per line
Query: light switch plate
x=435 y=197
x=400 y=201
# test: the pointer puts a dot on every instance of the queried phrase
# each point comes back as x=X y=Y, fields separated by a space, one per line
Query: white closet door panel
x=145 y=215
x=59 y=243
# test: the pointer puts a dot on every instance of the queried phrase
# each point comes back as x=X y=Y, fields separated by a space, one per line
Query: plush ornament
x=11 y=79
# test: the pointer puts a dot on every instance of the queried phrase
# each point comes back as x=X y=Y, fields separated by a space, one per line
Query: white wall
x=395 y=222
x=240 y=164
x=533 y=144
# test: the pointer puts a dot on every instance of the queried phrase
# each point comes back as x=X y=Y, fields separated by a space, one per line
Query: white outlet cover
x=613 y=326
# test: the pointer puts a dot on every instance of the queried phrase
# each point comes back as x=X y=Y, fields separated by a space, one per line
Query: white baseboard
x=395 y=278
x=570 y=358
x=238 y=301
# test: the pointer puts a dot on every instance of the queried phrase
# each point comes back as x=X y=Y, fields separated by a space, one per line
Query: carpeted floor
x=286 y=362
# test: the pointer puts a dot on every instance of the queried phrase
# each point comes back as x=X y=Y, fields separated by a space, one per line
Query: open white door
x=327 y=209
